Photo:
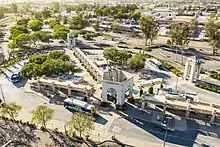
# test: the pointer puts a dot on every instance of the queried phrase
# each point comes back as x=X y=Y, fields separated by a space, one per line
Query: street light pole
x=165 y=137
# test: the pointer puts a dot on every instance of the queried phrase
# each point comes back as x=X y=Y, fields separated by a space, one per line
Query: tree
x=68 y=8
x=115 y=57
x=137 y=61
x=17 y=30
x=11 y=110
x=12 y=45
x=14 y=8
x=47 y=64
x=179 y=34
x=149 y=28
x=38 y=16
x=194 y=26
x=2 y=15
x=212 y=31
x=96 y=25
x=81 y=122
x=42 y=114
x=60 y=32
x=23 y=21
x=46 y=13
x=65 y=19
x=52 y=23
x=180 y=12
x=115 y=26
x=40 y=36
x=77 y=23
x=2 y=34
x=23 y=41
x=169 y=42
x=136 y=15
x=56 y=7
x=35 y=37
x=35 y=25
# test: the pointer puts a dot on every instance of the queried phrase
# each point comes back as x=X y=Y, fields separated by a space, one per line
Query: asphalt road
x=29 y=101
x=140 y=129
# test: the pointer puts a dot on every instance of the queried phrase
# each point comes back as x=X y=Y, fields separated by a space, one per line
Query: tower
x=192 y=68
x=71 y=41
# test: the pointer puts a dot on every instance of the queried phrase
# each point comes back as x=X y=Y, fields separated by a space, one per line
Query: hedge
x=208 y=87
x=215 y=76
x=170 y=68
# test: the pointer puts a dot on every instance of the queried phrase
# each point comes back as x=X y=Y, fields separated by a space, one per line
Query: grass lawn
x=108 y=37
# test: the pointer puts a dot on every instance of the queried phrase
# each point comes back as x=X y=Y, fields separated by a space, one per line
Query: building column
x=186 y=70
x=192 y=72
x=142 y=105
x=38 y=85
x=187 y=112
x=198 y=71
x=164 y=108
x=53 y=87
x=213 y=117
x=69 y=90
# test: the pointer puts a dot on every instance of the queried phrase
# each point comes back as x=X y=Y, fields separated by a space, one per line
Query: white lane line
x=109 y=125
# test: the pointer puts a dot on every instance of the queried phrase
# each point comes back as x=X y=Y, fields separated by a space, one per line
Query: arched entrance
x=112 y=95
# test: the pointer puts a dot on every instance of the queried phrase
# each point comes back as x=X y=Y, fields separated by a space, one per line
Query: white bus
x=72 y=104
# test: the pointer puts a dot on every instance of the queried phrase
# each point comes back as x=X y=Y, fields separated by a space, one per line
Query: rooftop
x=64 y=83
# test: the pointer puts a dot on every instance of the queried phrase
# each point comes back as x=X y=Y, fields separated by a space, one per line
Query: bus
x=156 y=63
x=72 y=104
x=15 y=78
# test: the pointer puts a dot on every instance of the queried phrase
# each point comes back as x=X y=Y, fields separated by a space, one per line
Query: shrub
x=104 y=104
x=87 y=137
x=215 y=76
x=150 y=90
x=213 y=72
x=119 y=107
x=56 y=130
x=169 y=42
x=147 y=49
x=208 y=87
x=42 y=128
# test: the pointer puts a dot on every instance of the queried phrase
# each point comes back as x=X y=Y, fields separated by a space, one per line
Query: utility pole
x=165 y=137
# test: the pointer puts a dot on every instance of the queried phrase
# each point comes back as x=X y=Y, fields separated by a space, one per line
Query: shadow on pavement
x=21 y=83
x=144 y=121
x=100 y=120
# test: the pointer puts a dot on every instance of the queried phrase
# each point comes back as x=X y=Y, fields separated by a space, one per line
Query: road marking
x=109 y=125
x=116 y=129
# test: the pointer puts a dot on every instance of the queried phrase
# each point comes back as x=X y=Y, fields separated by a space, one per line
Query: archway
x=112 y=95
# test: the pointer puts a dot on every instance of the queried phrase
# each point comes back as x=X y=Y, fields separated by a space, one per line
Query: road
x=148 y=132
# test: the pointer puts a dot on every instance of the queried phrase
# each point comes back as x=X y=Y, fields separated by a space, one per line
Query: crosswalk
x=14 y=68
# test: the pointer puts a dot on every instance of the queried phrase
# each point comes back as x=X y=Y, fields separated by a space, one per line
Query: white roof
x=79 y=103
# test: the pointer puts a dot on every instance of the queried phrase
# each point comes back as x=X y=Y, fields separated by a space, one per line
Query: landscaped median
x=166 y=65
x=209 y=87
x=170 y=68
x=215 y=74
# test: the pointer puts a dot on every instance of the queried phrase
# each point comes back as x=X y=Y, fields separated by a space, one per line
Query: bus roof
x=78 y=103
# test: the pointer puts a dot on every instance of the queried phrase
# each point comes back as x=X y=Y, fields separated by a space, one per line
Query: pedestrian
x=141 y=91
